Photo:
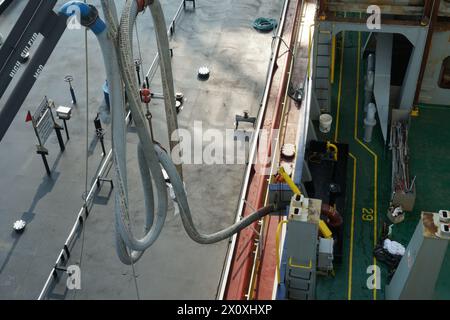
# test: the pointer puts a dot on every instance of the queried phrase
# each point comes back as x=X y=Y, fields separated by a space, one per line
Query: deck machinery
x=410 y=67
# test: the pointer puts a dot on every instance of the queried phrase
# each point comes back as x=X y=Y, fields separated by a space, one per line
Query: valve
x=146 y=95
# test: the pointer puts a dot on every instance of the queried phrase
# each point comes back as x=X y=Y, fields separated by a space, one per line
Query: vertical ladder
x=301 y=253
x=300 y=284
x=322 y=68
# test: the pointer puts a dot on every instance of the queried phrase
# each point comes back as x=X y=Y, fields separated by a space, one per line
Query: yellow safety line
x=352 y=230
x=375 y=205
x=341 y=63
x=277 y=244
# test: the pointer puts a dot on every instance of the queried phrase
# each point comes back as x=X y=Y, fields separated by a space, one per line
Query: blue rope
x=265 y=24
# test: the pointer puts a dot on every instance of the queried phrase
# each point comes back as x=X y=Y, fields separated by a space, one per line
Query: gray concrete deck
x=217 y=34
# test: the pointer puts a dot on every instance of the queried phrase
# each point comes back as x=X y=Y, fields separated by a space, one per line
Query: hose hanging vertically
x=116 y=46
x=128 y=20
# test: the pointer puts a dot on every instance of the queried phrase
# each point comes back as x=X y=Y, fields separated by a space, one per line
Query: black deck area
x=325 y=171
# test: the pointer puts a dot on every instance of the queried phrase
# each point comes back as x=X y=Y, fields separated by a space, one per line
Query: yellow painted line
x=338 y=111
x=352 y=230
x=277 y=245
x=299 y=266
x=375 y=205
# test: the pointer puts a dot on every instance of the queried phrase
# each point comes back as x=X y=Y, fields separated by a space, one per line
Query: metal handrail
x=239 y=213
x=81 y=217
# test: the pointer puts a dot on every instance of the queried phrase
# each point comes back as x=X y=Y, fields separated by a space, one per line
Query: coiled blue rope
x=265 y=24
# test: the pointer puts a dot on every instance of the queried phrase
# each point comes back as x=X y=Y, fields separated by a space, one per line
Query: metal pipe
x=333 y=55
x=369 y=122
x=426 y=51
x=370 y=81
x=371 y=62
x=368 y=89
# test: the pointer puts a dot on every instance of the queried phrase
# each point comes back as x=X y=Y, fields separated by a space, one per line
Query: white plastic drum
x=325 y=121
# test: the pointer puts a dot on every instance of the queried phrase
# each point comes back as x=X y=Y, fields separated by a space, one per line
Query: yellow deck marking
x=341 y=63
x=352 y=231
x=375 y=209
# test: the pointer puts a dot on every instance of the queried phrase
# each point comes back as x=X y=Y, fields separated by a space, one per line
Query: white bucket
x=325 y=121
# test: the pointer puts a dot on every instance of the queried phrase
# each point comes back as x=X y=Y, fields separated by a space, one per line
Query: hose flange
x=90 y=18
x=142 y=4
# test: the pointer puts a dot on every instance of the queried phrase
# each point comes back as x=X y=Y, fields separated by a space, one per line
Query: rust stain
x=430 y=229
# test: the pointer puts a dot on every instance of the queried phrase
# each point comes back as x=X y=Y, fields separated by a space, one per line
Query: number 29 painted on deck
x=367 y=214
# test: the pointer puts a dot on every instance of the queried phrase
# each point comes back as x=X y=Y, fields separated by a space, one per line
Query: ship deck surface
x=217 y=34
x=429 y=142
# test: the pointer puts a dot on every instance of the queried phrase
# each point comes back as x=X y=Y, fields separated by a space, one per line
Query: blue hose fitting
x=88 y=15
